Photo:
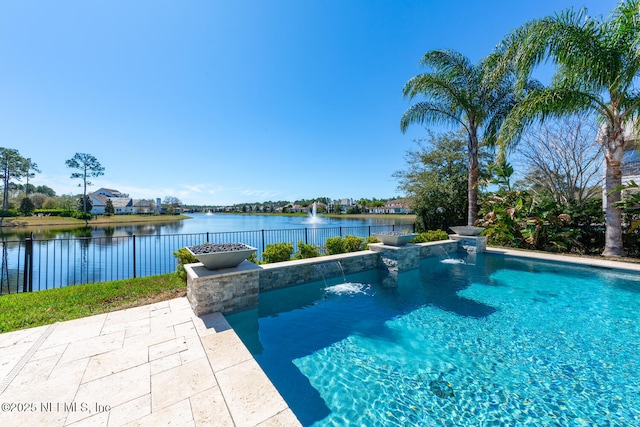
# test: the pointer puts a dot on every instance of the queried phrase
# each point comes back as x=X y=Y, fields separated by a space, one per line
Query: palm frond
x=429 y=113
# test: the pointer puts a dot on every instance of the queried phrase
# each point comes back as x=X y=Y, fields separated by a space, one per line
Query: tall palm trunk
x=613 y=147
x=613 y=144
x=472 y=183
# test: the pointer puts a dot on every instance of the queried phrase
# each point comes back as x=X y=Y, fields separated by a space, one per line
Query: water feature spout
x=445 y=258
x=330 y=270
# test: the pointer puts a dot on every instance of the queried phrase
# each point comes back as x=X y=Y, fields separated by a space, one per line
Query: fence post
x=134 y=256
x=208 y=241
x=263 y=240
x=27 y=285
x=306 y=239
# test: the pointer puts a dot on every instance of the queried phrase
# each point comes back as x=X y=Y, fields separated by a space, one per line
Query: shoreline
x=28 y=223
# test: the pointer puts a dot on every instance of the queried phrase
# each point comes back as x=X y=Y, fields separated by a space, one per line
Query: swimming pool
x=494 y=341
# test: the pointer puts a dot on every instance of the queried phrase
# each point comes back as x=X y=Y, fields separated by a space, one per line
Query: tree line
x=15 y=167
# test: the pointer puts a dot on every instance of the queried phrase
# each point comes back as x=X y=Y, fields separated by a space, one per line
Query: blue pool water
x=497 y=341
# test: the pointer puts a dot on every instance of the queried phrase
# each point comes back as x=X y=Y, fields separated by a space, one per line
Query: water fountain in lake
x=313 y=216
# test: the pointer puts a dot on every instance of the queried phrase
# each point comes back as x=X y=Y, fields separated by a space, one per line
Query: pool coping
x=570 y=259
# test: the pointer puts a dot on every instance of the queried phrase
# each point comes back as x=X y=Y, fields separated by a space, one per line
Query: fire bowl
x=215 y=256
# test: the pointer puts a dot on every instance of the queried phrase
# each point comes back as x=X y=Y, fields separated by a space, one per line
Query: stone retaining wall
x=235 y=289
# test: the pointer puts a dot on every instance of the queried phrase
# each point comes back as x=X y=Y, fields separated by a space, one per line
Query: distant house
x=398 y=206
x=340 y=205
x=121 y=205
x=144 y=206
x=109 y=193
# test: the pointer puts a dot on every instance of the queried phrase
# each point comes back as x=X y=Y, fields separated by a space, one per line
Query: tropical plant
x=89 y=167
x=475 y=98
x=597 y=64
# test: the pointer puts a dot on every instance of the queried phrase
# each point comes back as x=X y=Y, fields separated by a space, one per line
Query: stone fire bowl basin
x=395 y=238
x=215 y=256
x=467 y=230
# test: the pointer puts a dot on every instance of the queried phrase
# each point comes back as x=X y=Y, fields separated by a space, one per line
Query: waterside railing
x=33 y=264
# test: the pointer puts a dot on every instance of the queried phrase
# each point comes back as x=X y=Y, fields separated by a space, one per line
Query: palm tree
x=476 y=98
x=596 y=62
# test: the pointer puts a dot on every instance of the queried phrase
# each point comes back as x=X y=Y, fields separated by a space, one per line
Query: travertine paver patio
x=153 y=365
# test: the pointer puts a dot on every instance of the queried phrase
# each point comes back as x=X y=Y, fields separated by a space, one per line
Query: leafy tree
x=563 y=159
x=172 y=203
x=47 y=191
x=26 y=206
x=475 y=98
x=435 y=180
x=13 y=165
x=89 y=167
x=597 y=65
x=108 y=208
x=84 y=202
x=38 y=200
x=31 y=166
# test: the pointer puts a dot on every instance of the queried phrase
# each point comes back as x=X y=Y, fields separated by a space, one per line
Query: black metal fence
x=31 y=264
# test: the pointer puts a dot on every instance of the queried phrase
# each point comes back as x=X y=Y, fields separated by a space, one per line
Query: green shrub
x=183 y=256
x=277 y=252
x=431 y=236
x=353 y=243
x=306 y=250
x=335 y=245
x=10 y=212
x=81 y=215
x=369 y=240
x=340 y=245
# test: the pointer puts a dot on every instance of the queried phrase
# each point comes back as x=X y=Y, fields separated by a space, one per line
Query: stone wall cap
x=199 y=270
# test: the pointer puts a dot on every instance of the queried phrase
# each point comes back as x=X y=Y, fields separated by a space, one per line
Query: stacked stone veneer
x=234 y=289
x=470 y=244
x=395 y=259
x=288 y=273
x=225 y=290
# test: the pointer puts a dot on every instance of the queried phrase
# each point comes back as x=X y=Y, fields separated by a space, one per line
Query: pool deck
x=157 y=364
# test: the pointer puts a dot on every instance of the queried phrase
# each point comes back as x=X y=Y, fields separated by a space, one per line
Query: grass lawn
x=26 y=310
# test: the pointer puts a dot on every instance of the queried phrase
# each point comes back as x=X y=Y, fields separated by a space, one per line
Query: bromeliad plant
x=517 y=219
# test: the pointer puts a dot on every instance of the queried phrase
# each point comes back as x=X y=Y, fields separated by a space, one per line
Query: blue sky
x=223 y=102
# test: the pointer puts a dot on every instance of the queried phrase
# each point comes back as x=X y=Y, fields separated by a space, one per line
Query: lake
x=74 y=256
x=202 y=223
